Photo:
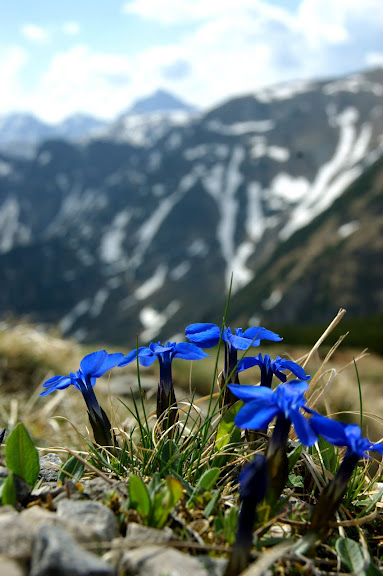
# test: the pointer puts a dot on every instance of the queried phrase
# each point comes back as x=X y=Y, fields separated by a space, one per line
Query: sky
x=62 y=57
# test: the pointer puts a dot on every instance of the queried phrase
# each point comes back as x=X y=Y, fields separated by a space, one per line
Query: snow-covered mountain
x=147 y=118
x=127 y=235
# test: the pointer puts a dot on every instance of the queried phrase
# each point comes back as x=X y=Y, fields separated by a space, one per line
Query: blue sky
x=98 y=56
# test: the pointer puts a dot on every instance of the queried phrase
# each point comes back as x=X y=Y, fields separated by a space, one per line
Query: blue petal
x=332 y=431
x=261 y=334
x=303 y=428
x=295 y=369
x=143 y=352
x=248 y=393
x=187 y=351
x=92 y=362
x=246 y=363
x=56 y=383
x=252 y=418
x=295 y=387
x=205 y=335
x=109 y=362
x=238 y=342
x=160 y=348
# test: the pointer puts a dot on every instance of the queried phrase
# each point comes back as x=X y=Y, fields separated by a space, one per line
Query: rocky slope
x=140 y=232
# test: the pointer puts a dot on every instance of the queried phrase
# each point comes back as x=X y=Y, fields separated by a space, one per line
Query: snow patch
x=356 y=83
x=12 y=232
x=282 y=91
x=153 y=284
x=179 y=271
x=259 y=149
x=241 y=274
x=5 y=168
x=153 y=321
x=240 y=128
x=99 y=300
x=347 y=229
x=152 y=225
x=198 y=248
x=289 y=188
x=274 y=299
x=111 y=244
x=254 y=223
x=69 y=319
x=333 y=177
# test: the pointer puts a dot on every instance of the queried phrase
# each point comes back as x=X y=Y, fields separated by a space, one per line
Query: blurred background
x=151 y=150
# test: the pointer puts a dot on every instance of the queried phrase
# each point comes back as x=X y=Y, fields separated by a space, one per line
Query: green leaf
x=21 y=456
x=8 y=493
x=209 y=508
x=293 y=457
x=205 y=483
x=227 y=426
x=351 y=554
x=139 y=497
x=164 y=501
x=230 y=525
x=72 y=468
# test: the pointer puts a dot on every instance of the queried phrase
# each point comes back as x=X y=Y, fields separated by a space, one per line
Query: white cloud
x=227 y=48
x=34 y=33
x=71 y=28
x=12 y=63
x=374 y=59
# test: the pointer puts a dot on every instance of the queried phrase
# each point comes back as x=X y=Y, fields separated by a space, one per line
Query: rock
x=50 y=465
x=10 y=567
x=158 y=561
x=55 y=552
x=96 y=488
x=140 y=535
x=15 y=540
x=91 y=514
x=36 y=516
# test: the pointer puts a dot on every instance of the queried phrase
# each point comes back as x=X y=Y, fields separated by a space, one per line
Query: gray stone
x=50 y=465
x=56 y=553
x=15 y=540
x=36 y=516
x=99 y=517
x=141 y=535
x=160 y=561
x=96 y=488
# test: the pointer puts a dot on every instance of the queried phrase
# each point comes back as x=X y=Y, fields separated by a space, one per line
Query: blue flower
x=207 y=335
x=341 y=434
x=262 y=404
x=92 y=367
x=164 y=354
x=270 y=367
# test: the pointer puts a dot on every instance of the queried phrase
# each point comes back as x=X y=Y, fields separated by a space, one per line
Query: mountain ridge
x=142 y=237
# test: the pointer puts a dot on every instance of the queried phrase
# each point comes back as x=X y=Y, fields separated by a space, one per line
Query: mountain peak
x=160 y=101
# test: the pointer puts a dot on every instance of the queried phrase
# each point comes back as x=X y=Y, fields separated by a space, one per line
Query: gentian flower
x=262 y=405
x=252 y=486
x=92 y=367
x=165 y=354
x=207 y=335
x=339 y=434
x=270 y=367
